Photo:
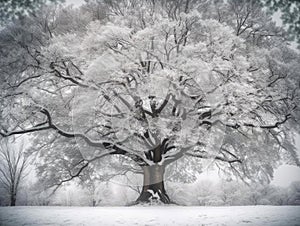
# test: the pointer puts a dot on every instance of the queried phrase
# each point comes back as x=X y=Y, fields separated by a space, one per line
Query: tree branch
x=105 y=144
x=214 y=157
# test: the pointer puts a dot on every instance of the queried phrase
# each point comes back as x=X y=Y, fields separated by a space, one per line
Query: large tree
x=156 y=82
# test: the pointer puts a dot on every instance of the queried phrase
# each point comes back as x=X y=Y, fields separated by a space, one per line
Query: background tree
x=13 y=164
x=294 y=193
x=290 y=11
x=15 y=9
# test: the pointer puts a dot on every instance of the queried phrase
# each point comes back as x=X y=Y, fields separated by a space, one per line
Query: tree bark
x=12 y=200
x=153 y=185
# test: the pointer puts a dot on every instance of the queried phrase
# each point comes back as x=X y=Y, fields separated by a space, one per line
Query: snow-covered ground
x=153 y=215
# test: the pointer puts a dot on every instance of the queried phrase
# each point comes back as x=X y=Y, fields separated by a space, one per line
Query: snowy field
x=154 y=215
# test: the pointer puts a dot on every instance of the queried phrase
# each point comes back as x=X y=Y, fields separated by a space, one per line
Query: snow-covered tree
x=294 y=193
x=204 y=191
x=156 y=82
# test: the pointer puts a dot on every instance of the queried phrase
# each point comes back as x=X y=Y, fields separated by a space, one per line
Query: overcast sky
x=75 y=2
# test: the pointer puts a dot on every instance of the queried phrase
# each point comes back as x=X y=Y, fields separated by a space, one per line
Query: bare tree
x=12 y=168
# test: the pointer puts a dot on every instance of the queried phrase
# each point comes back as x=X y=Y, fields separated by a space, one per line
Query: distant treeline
x=200 y=193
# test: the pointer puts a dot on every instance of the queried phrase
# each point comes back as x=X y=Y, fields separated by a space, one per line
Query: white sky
x=74 y=2
x=286 y=174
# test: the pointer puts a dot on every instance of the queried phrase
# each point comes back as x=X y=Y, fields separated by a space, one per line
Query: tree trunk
x=12 y=200
x=153 y=185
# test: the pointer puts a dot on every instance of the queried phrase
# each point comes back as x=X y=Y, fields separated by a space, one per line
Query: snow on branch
x=71 y=177
x=271 y=126
x=104 y=143
x=214 y=157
